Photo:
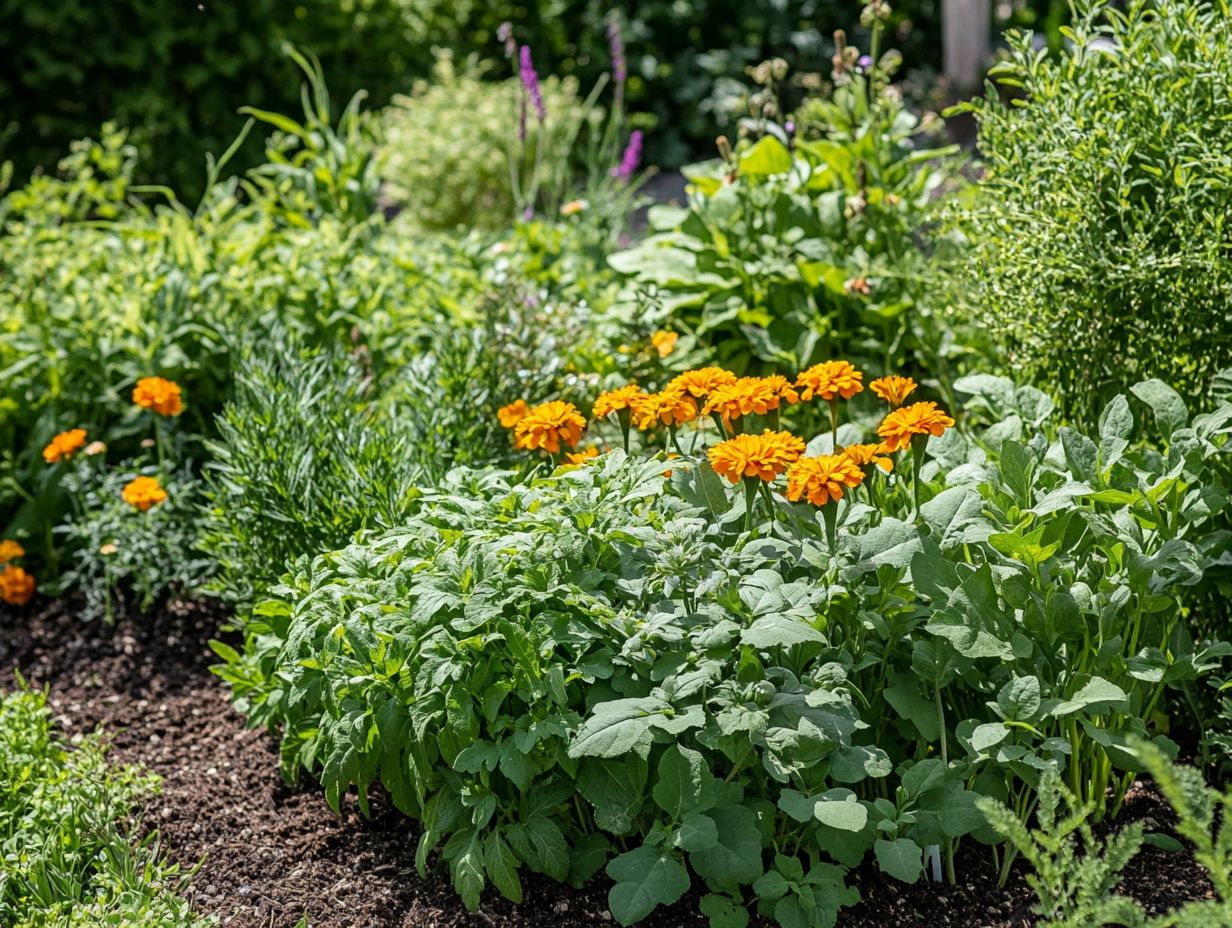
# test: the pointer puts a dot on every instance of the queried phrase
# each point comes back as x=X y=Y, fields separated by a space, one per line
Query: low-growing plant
x=621 y=664
x=72 y=857
x=1075 y=883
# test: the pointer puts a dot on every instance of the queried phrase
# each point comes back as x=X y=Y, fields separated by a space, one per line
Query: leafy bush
x=787 y=255
x=1076 y=891
x=71 y=858
x=599 y=667
x=1102 y=233
x=447 y=145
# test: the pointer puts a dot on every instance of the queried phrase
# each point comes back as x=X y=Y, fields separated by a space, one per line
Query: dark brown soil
x=270 y=853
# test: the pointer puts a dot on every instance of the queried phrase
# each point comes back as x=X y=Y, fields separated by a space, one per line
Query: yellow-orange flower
x=581 y=457
x=617 y=400
x=512 y=414
x=764 y=456
x=864 y=455
x=10 y=551
x=897 y=429
x=701 y=382
x=664 y=342
x=161 y=396
x=749 y=395
x=16 y=586
x=573 y=207
x=64 y=445
x=830 y=379
x=893 y=389
x=670 y=407
x=144 y=492
x=822 y=479
x=548 y=425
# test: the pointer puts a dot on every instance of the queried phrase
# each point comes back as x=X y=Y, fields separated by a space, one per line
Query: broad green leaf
x=856 y=763
x=683 y=781
x=766 y=157
x=900 y=858
x=954 y=517
x=843 y=814
x=615 y=789
x=1097 y=696
x=645 y=879
x=973 y=620
x=736 y=858
x=1115 y=424
x=1020 y=699
x=617 y=727
x=587 y=857
x=904 y=696
x=698 y=832
x=502 y=867
x=1170 y=411
x=779 y=631
x=723 y=912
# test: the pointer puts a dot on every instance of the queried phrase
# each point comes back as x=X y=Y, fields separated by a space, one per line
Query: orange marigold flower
x=894 y=389
x=144 y=492
x=864 y=455
x=670 y=407
x=617 y=400
x=10 y=551
x=822 y=479
x=512 y=414
x=664 y=342
x=830 y=379
x=701 y=382
x=764 y=456
x=548 y=425
x=64 y=445
x=581 y=457
x=161 y=396
x=898 y=428
x=749 y=395
x=16 y=586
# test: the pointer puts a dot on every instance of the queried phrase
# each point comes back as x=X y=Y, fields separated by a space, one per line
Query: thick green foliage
x=70 y=859
x=784 y=258
x=598 y=668
x=1102 y=233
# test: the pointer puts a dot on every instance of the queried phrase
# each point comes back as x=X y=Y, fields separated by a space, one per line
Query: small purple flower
x=505 y=34
x=865 y=62
x=530 y=80
x=528 y=214
x=789 y=127
x=631 y=158
x=616 y=43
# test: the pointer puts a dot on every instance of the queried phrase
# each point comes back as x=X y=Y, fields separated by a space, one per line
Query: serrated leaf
x=900 y=858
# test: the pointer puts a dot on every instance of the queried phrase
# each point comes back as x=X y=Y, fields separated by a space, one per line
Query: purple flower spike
x=530 y=80
x=631 y=158
x=865 y=62
x=505 y=35
x=616 y=43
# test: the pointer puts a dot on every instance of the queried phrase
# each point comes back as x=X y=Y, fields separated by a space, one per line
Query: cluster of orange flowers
x=16 y=586
x=712 y=391
x=158 y=395
x=143 y=493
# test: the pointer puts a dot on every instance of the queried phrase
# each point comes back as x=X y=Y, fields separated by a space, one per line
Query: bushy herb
x=1102 y=228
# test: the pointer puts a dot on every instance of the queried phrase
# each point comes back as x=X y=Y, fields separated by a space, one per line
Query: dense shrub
x=71 y=857
x=599 y=667
x=1102 y=233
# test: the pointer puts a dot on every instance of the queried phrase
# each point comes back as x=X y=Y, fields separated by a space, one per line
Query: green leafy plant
x=1099 y=245
x=1075 y=883
x=72 y=857
x=795 y=247
x=691 y=687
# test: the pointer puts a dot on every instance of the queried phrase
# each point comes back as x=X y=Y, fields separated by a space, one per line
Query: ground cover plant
x=70 y=857
x=646 y=672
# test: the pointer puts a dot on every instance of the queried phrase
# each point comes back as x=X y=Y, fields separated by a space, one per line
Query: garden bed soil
x=270 y=853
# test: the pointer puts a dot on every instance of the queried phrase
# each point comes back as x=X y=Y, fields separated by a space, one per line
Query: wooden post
x=966 y=29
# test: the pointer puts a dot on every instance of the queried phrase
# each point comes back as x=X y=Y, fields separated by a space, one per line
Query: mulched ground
x=271 y=853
